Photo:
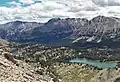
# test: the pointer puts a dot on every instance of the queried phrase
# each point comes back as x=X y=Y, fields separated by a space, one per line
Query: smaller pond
x=97 y=63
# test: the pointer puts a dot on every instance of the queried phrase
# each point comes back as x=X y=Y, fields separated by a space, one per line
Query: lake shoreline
x=71 y=60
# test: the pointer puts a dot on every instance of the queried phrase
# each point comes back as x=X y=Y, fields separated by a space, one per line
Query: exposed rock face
x=9 y=72
x=9 y=57
x=17 y=30
x=12 y=70
x=107 y=76
x=3 y=42
x=100 y=29
x=117 y=79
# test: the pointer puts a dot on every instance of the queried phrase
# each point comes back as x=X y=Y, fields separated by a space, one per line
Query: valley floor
x=49 y=60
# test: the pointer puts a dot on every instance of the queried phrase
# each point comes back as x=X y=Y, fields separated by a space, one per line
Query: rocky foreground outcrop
x=73 y=72
x=13 y=70
x=107 y=76
x=10 y=72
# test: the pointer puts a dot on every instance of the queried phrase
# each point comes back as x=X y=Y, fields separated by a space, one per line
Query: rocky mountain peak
x=103 y=19
x=99 y=29
x=53 y=20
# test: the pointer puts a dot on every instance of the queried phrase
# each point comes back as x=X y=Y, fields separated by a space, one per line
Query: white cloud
x=13 y=3
x=26 y=1
x=48 y=9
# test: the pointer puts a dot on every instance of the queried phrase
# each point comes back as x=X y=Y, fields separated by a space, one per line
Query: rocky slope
x=107 y=76
x=12 y=73
x=104 y=30
x=23 y=72
x=3 y=42
x=72 y=72
x=13 y=70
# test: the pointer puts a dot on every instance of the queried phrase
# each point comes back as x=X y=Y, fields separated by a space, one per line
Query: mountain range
x=100 y=30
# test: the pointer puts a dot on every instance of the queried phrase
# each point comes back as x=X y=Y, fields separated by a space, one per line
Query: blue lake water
x=97 y=63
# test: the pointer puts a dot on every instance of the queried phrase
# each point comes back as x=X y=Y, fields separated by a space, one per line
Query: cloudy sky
x=43 y=10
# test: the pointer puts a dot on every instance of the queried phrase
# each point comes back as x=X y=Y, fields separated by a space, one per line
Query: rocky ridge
x=107 y=75
x=9 y=72
x=99 y=30
x=17 y=70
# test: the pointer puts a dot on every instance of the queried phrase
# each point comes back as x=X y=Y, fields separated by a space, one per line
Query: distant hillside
x=83 y=32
